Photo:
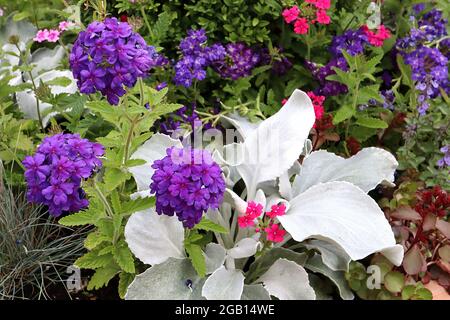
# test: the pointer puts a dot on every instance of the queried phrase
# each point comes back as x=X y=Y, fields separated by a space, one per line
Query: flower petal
x=153 y=149
x=287 y=280
x=154 y=238
x=366 y=169
x=343 y=213
x=224 y=284
x=274 y=146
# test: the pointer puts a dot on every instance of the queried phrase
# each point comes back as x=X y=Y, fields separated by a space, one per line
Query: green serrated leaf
x=138 y=204
x=93 y=240
x=197 y=258
x=124 y=258
x=89 y=216
x=209 y=225
x=125 y=279
x=370 y=122
x=92 y=260
x=115 y=177
x=102 y=276
x=345 y=112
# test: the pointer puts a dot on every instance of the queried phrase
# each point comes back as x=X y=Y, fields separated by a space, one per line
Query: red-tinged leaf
x=438 y=291
x=414 y=262
x=444 y=253
x=406 y=213
x=445 y=266
x=429 y=223
x=444 y=227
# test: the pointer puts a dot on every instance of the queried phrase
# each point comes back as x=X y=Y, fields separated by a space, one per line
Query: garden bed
x=224 y=149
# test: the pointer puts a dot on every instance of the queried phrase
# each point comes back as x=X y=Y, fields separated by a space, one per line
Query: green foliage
x=392 y=286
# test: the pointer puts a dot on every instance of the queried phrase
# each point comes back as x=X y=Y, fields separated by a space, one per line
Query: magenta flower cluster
x=108 y=56
x=55 y=172
x=187 y=182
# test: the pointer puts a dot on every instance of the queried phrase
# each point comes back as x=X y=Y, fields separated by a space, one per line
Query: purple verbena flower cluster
x=280 y=63
x=54 y=173
x=187 y=182
x=196 y=57
x=108 y=56
x=238 y=62
x=353 y=42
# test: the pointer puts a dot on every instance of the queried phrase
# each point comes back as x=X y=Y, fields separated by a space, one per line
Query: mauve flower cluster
x=428 y=64
x=187 y=182
x=445 y=160
x=108 y=56
x=430 y=71
x=54 y=173
x=431 y=26
x=196 y=57
x=280 y=63
x=238 y=62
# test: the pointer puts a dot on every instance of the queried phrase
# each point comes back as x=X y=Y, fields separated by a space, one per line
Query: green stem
x=147 y=23
x=37 y=102
x=102 y=197
x=130 y=135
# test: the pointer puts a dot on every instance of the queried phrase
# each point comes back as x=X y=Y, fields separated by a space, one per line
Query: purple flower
x=352 y=41
x=187 y=182
x=54 y=173
x=238 y=62
x=108 y=56
x=445 y=161
x=196 y=57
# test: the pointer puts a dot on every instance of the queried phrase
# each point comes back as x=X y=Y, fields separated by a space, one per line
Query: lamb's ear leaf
x=224 y=284
x=366 y=169
x=277 y=143
x=255 y=292
x=316 y=265
x=287 y=280
x=174 y=279
x=344 y=214
x=154 y=238
x=246 y=247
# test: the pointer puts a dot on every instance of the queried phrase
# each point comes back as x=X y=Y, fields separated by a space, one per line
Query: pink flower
x=377 y=39
x=283 y=102
x=246 y=221
x=322 y=17
x=41 y=35
x=274 y=233
x=276 y=210
x=291 y=14
x=254 y=209
x=301 y=26
x=317 y=101
x=322 y=4
x=64 y=25
x=53 y=35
